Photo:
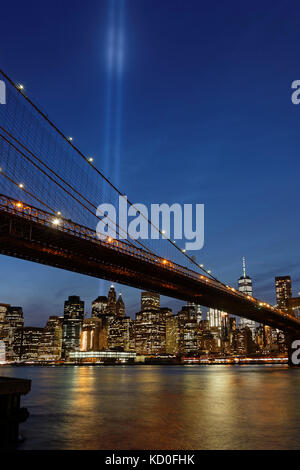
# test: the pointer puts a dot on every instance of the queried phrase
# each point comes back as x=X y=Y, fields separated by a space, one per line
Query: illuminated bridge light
x=21 y=185
x=70 y=139
x=20 y=86
x=55 y=221
x=19 y=205
x=183 y=251
x=164 y=261
x=90 y=160
x=109 y=239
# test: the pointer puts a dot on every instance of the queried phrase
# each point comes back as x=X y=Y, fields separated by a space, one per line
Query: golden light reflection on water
x=159 y=407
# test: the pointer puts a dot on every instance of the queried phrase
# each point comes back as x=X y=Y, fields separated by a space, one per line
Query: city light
x=56 y=221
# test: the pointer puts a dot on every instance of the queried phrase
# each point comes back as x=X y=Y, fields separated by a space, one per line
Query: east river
x=161 y=407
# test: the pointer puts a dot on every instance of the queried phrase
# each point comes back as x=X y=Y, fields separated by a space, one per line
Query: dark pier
x=11 y=414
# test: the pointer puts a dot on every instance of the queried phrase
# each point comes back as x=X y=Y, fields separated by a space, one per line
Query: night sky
x=200 y=112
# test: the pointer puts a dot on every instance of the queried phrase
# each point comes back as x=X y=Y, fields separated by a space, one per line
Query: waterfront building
x=119 y=333
x=150 y=326
x=172 y=335
x=108 y=328
x=188 y=331
x=11 y=331
x=102 y=356
x=3 y=310
x=51 y=341
x=91 y=334
x=206 y=340
x=30 y=343
x=242 y=342
x=2 y=352
x=72 y=324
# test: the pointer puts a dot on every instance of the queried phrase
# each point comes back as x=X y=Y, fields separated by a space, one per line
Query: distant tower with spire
x=245 y=286
x=120 y=306
x=111 y=308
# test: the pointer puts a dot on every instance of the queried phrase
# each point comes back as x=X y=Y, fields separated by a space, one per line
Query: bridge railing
x=34 y=214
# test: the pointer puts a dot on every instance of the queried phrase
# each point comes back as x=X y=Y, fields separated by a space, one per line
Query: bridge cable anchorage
x=79 y=152
x=65 y=182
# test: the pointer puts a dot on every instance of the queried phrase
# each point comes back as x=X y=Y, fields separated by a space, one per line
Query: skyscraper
x=120 y=306
x=111 y=308
x=245 y=286
x=150 y=301
x=12 y=331
x=150 y=325
x=72 y=323
x=51 y=341
x=99 y=307
x=283 y=287
x=214 y=318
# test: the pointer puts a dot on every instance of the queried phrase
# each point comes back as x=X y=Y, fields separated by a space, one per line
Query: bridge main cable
x=59 y=185
x=79 y=152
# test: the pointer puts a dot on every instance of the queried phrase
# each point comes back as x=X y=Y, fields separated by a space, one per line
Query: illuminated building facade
x=150 y=326
x=72 y=324
x=102 y=356
x=31 y=341
x=150 y=301
x=283 y=286
x=99 y=306
x=111 y=308
x=109 y=328
x=245 y=286
x=2 y=352
x=11 y=330
x=172 y=335
x=51 y=341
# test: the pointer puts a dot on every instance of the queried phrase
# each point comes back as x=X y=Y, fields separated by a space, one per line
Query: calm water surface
x=161 y=407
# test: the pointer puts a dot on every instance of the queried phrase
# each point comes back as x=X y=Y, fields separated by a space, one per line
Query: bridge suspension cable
x=59 y=185
x=90 y=163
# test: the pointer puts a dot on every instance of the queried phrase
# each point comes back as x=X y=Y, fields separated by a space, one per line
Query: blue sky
x=203 y=109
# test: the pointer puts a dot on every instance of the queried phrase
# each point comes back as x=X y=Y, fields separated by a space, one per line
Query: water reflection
x=159 y=407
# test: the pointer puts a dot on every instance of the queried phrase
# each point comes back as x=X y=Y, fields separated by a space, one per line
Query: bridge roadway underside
x=32 y=241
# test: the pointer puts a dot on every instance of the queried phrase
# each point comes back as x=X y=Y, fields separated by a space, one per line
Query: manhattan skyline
x=198 y=103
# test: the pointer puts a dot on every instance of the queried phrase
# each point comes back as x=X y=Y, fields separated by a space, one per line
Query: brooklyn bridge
x=50 y=191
